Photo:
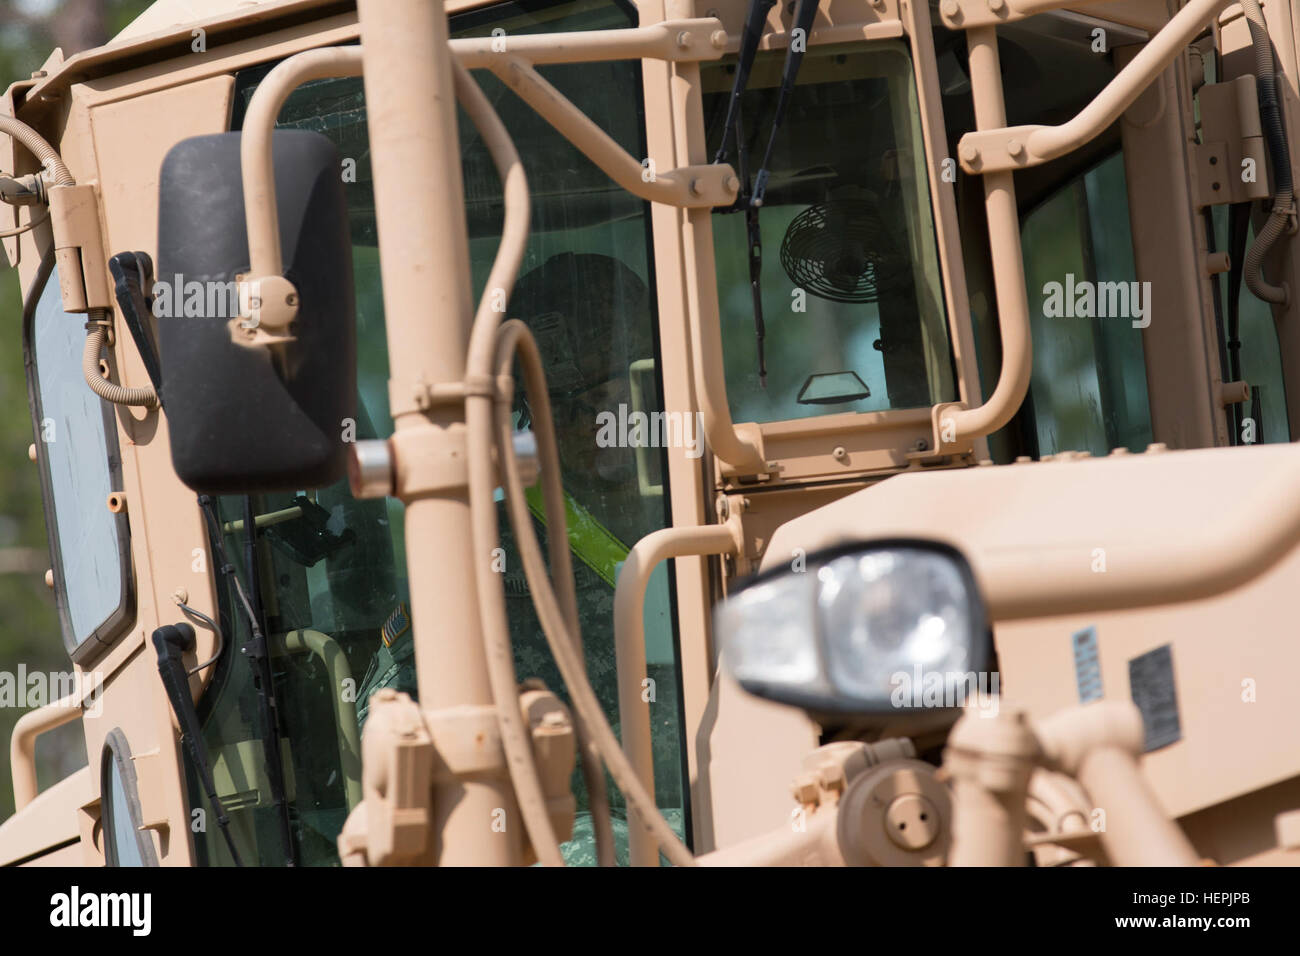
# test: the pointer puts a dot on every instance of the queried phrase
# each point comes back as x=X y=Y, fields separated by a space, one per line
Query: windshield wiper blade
x=755 y=240
x=256 y=651
x=804 y=15
x=753 y=32
x=171 y=641
x=755 y=20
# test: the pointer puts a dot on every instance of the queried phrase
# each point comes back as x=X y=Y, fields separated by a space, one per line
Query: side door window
x=1251 y=334
x=1089 y=387
x=76 y=445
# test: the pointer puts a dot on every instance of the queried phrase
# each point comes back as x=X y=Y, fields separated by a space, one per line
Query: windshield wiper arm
x=753 y=32
x=171 y=641
x=754 y=236
x=752 y=200
x=804 y=15
x=255 y=650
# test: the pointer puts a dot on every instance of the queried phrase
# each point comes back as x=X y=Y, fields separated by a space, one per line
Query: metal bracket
x=1231 y=159
x=1128 y=23
x=79 y=249
x=392 y=823
x=945 y=442
x=966 y=14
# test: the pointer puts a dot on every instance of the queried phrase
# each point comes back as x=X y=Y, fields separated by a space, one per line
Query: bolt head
x=1015 y=147
x=950 y=9
x=684 y=40
x=995 y=5
x=969 y=153
x=718 y=39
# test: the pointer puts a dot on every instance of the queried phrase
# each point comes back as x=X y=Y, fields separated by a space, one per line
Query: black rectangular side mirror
x=243 y=418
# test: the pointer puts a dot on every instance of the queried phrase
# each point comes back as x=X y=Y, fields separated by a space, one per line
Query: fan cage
x=841 y=250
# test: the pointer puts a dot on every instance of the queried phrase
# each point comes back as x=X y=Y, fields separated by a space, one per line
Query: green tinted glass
x=851 y=292
x=331 y=569
x=1089 y=386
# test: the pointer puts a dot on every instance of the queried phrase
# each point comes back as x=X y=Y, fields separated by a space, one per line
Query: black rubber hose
x=1270 y=115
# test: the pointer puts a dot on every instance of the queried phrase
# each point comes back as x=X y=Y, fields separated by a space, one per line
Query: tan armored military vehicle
x=863 y=428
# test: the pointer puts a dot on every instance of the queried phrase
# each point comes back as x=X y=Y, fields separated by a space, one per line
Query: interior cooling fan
x=841 y=250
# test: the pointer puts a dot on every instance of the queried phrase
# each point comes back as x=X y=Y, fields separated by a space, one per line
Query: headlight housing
x=879 y=628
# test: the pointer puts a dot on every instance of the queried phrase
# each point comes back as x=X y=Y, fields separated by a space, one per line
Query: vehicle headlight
x=873 y=628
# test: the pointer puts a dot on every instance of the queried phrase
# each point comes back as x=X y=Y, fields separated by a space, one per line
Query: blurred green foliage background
x=29 y=628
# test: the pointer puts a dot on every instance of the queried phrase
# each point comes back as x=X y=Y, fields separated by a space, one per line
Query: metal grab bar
x=330 y=654
x=629 y=648
x=1019 y=147
x=22 y=744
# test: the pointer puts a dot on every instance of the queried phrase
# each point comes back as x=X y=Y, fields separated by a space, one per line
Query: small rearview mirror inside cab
x=254 y=418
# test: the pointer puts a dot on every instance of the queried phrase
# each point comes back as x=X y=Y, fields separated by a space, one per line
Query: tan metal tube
x=328 y=651
x=266 y=520
x=1049 y=142
x=989 y=761
x=693 y=186
x=260 y=211
x=561 y=567
x=480 y=418
x=987 y=149
x=420 y=212
x=708 y=373
x=22 y=743
x=482 y=475
x=515 y=340
x=629 y=648
x=1137 y=832
x=694 y=39
x=1008 y=263
x=710 y=377
x=1099 y=745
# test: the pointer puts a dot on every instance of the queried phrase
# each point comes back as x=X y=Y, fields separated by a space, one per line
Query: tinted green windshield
x=331 y=569
x=851 y=292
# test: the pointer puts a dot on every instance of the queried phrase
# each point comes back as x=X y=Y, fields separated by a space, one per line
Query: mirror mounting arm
x=268 y=301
